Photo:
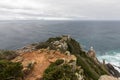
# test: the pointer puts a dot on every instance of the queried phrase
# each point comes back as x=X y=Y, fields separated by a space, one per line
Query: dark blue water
x=104 y=36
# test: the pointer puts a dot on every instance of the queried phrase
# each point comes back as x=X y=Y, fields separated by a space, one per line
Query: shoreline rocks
x=106 y=77
x=112 y=70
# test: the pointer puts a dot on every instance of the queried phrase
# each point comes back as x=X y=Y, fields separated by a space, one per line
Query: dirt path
x=42 y=60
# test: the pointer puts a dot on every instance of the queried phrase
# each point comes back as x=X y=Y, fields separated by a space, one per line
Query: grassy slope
x=92 y=70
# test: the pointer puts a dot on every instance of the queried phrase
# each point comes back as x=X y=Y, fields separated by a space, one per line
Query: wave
x=112 y=57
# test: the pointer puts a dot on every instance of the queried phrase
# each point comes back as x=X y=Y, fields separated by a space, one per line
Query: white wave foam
x=112 y=58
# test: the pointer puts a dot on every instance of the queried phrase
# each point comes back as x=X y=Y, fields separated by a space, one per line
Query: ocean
x=104 y=36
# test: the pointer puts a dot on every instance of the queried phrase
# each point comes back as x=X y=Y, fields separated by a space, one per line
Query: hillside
x=60 y=58
x=40 y=60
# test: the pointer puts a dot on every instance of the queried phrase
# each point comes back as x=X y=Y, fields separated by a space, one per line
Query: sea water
x=104 y=36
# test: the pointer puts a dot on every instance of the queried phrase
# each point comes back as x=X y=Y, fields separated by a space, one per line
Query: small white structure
x=91 y=52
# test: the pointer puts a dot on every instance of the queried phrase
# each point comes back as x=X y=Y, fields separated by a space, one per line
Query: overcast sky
x=62 y=9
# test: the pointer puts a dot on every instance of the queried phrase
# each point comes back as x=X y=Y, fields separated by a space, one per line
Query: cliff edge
x=61 y=58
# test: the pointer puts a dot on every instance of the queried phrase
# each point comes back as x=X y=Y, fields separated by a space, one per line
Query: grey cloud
x=82 y=9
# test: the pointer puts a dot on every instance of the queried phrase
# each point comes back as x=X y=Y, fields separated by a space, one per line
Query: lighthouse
x=91 y=52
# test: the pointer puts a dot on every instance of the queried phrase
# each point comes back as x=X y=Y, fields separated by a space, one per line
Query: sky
x=60 y=9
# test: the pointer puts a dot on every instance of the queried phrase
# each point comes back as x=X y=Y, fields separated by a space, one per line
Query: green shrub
x=58 y=62
x=74 y=47
x=88 y=70
x=56 y=71
x=92 y=70
x=42 y=45
x=53 y=39
x=10 y=70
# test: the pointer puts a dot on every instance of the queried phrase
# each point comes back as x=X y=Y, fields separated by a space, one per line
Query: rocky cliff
x=61 y=58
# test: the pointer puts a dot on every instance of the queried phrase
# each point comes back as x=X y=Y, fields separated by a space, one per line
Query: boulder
x=65 y=37
x=106 y=77
x=67 y=53
x=26 y=71
x=112 y=70
x=18 y=59
x=56 y=43
x=28 y=66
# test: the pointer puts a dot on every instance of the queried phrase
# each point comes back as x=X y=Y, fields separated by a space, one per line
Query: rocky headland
x=59 y=58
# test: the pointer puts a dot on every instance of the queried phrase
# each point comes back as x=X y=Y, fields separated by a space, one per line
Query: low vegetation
x=92 y=70
x=42 y=45
x=59 y=71
x=47 y=43
x=10 y=70
x=53 y=39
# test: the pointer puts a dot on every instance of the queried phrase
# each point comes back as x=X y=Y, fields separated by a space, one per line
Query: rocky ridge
x=67 y=46
x=37 y=58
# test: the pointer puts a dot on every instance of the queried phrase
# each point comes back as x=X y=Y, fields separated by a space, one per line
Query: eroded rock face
x=60 y=44
x=18 y=59
x=106 y=77
x=112 y=70
x=26 y=49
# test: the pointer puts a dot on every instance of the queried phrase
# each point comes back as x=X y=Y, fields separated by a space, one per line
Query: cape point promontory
x=58 y=58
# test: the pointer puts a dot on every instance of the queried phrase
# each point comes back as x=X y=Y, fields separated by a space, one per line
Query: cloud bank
x=60 y=9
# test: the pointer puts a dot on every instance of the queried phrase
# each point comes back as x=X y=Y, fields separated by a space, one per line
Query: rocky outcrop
x=28 y=48
x=61 y=44
x=106 y=77
x=91 y=53
x=89 y=63
x=112 y=70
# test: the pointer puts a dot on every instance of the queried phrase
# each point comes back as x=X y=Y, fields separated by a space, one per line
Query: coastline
x=62 y=47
